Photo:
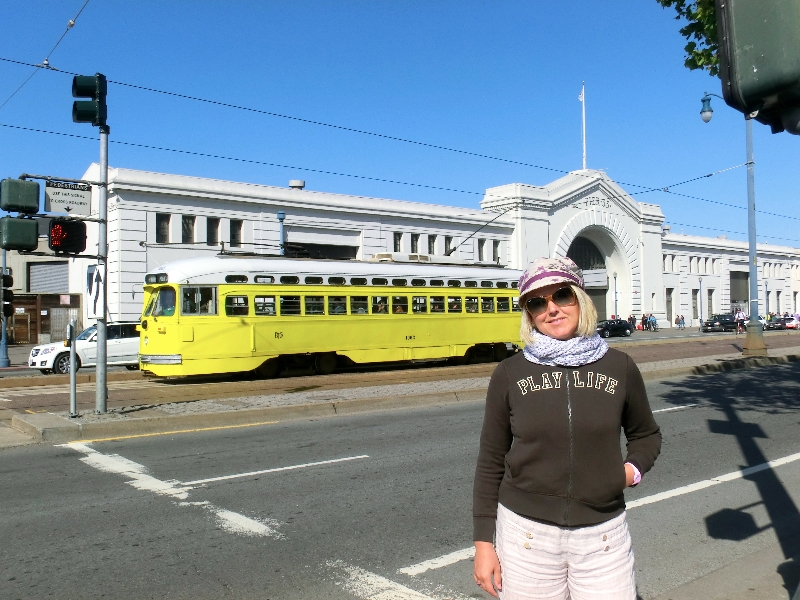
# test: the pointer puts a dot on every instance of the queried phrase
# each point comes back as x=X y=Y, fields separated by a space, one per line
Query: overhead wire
x=46 y=62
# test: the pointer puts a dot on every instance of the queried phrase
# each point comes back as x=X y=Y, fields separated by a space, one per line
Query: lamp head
x=706 y=112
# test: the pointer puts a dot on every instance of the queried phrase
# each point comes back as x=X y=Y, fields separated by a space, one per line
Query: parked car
x=791 y=323
x=761 y=320
x=776 y=323
x=611 y=327
x=719 y=323
x=122 y=349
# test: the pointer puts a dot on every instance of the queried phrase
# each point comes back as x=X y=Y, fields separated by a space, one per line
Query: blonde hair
x=587 y=321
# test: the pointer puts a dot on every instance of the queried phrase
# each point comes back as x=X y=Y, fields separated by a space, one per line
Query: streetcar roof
x=214 y=269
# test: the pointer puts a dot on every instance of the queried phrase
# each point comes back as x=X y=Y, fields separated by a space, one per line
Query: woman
x=550 y=475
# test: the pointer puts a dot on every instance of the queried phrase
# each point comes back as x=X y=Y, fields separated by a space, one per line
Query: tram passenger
x=559 y=527
x=381 y=309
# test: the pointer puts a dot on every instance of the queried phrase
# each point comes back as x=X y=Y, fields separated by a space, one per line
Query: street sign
x=70 y=198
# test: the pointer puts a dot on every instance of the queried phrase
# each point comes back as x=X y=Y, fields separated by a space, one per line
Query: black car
x=613 y=327
x=719 y=323
x=776 y=323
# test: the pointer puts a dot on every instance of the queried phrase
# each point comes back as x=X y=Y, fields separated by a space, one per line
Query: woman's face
x=557 y=322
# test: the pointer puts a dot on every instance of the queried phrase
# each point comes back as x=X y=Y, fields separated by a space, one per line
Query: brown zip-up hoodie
x=550 y=448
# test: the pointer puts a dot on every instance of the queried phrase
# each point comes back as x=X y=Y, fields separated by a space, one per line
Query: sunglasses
x=564 y=296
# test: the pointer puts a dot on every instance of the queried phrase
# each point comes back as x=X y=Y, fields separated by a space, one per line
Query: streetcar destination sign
x=71 y=198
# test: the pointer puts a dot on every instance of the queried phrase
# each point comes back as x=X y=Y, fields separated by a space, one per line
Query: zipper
x=569 y=422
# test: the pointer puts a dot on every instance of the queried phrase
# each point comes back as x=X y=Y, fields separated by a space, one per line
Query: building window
x=187 y=229
x=398 y=242
x=162 y=229
x=710 y=305
x=414 y=243
x=448 y=245
x=481 y=250
x=431 y=244
x=212 y=231
x=236 y=233
x=695 y=314
x=496 y=251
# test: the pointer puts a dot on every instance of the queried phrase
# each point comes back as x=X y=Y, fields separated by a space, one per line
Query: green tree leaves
x=700 y=31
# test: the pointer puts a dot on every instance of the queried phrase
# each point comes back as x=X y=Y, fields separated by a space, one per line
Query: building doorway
x=668 y=304
x=591 y=261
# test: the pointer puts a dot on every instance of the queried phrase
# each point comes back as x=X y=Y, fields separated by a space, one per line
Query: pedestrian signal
x=19 y=234
x=67 y=235
x=92 y=111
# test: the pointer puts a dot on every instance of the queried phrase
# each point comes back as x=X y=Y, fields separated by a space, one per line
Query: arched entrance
x=593 y=264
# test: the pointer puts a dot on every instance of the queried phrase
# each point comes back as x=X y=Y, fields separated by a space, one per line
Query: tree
x=701 y=32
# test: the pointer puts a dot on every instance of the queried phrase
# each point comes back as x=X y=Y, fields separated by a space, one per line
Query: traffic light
x=8 y=295
x=759 y=57
x=67 y=235
x=19 y=195
x=19 y=234
x=90 y=111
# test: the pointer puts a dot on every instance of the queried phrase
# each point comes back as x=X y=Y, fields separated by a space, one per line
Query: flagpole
x=583 y=129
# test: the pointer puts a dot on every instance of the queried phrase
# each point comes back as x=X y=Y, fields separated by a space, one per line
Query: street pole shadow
x=749 y=393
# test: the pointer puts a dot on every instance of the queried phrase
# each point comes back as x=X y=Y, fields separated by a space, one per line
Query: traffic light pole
x=754 y=342
x=101 y=392
x=4 y=361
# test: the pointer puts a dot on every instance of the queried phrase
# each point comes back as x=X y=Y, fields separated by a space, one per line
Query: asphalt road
x=134 y=519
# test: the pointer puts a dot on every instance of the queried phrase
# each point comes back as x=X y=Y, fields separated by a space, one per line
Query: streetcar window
x=235 y=278
x=315 y=305
x=437 y=282
x=515 y=304
x=418 y=282
x=289 y=279
x=399 y=282
x=358 y=281
x=486 y=284
x=515 y=284
x=454 y=304
x=359 y=305
x=502 y=284
x=379 y=281
x=453 y=283
x=265 y=305
x=437 y=304
x=199 y=301
x=503 y=305
x=264 y=279
x=487 y=304
x=290 y=305
x=236 y=306
x=419 y=305
x=337 y=305
x=471 y=283
x=314 y=280
x=471 y=304
x=400 y=305
x=380 y=305
x=336 y=280
x=150 y=304
x=165 y=303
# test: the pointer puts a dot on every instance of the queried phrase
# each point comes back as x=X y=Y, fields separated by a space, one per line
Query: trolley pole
x=754 y=340
x=4 y=360
x=101 y=391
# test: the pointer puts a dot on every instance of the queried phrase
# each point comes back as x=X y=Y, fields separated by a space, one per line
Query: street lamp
x=754 y=341
x=616 y=308
x=700 y=302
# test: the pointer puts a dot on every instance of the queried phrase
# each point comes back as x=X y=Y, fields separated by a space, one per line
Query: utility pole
x=101 y=391
x=4 y=360
x=754 y=341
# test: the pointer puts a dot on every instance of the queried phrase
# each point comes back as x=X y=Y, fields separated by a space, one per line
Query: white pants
x=541 y=561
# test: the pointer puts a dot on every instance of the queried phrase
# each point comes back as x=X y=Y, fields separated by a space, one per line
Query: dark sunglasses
x=564 y=296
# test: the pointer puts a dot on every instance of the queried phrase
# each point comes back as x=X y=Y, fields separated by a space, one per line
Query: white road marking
x=114 y=463
x=700 y=485
x=6 y=400
x=458 y=555
x=275 y=470
x=660 y=410
x=438 y=563
x=370 y=586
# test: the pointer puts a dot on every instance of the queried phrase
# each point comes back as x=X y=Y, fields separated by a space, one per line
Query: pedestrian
x=644 y=321
x=677 y=321
x=739 y=318
x=559 y=525
x=683 y=322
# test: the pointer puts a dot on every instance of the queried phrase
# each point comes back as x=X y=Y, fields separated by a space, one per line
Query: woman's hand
x=486 y=567
x=629 y=475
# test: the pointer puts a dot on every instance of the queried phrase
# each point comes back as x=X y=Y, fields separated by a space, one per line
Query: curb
x=41 y=380
x=48 y=427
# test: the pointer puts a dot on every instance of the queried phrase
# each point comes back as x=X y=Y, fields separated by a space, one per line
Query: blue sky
x=492 y=77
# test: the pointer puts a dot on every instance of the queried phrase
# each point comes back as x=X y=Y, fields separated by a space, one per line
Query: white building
x=621 y=244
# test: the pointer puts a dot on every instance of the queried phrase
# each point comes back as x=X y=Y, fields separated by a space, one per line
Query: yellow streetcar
x=229 y=313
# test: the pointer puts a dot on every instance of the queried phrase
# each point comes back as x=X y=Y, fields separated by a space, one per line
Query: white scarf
x=573 y=352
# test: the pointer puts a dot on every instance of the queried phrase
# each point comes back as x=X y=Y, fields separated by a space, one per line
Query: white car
x=122 y=349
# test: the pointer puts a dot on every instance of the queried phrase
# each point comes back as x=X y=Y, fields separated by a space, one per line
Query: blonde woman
x=548 y=504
